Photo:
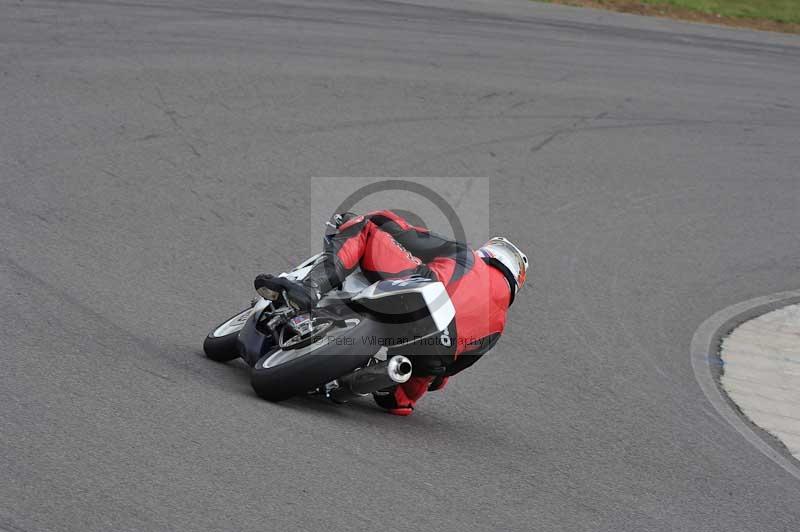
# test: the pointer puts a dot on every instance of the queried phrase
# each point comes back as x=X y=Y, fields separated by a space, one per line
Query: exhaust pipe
x=364 y=381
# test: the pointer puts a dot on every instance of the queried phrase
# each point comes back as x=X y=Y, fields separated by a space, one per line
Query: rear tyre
x=221 y=343
x=284 y=373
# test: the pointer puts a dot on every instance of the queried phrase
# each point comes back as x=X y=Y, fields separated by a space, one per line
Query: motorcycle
x=333 y=350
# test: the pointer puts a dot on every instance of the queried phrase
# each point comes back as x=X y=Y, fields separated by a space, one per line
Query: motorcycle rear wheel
x=284 y=373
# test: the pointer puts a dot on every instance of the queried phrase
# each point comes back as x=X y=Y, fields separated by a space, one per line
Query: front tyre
x=284 y=373
x=221 y=343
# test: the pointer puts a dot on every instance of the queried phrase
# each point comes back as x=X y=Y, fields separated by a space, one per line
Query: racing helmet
x=505 y=256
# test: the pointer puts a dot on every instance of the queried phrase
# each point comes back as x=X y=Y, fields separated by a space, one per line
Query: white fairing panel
x=433 y=293
x=355 y=282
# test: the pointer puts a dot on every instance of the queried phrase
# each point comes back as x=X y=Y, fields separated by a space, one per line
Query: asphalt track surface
x=156 y=155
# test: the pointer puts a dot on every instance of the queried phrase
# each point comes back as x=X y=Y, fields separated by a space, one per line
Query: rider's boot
x=301 y=296
x=401 y=399
x=326 y=274
x=305 y=294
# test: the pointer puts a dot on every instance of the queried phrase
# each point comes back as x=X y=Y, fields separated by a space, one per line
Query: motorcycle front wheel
x=221 y=343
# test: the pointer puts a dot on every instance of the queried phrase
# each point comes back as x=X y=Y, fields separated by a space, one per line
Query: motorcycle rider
x=482 y=285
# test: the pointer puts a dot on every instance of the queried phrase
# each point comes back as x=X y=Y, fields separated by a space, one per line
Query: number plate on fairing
x=413 y=296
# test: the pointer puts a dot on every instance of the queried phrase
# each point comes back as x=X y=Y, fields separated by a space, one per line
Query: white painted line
x=762 y=373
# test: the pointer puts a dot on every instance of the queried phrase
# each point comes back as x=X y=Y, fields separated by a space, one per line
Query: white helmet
x=501 y=253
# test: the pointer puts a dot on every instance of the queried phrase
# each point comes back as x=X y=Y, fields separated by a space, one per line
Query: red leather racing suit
x=386 y=246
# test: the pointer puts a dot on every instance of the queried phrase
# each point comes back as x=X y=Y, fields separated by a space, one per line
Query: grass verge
x=771 y=15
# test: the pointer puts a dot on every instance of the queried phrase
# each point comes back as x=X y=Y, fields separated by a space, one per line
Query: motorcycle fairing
x=415 y=296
